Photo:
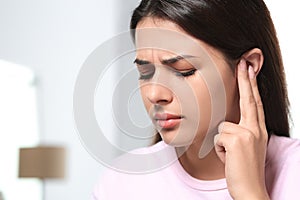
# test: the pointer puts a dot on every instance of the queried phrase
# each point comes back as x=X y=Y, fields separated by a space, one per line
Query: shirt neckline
x=197 y=184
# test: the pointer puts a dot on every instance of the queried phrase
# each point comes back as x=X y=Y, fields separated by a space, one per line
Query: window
x=18 y=128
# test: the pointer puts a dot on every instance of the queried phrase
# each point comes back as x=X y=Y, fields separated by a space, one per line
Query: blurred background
x=43 y=45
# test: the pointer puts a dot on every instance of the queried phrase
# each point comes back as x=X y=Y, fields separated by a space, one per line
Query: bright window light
x=18 y=119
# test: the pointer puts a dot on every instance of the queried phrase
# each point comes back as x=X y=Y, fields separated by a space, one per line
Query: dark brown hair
x=233 y=27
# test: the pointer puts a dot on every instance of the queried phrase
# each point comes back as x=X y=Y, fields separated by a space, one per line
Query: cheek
x=232 y=96
x=143 y=92
x=204 y=103
x=231 y=92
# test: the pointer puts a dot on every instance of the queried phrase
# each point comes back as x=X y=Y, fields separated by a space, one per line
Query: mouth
x=167 y=120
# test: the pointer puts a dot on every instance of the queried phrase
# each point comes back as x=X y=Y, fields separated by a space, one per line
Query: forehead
x=157 y=37
x=150 y=22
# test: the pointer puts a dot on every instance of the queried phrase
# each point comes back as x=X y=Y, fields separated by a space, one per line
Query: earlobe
x=255 y=58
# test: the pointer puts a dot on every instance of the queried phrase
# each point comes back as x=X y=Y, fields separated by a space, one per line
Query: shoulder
x=134 y=171
x=135 y=161
x=141 y=161
x=282 y=167
x=283 y=150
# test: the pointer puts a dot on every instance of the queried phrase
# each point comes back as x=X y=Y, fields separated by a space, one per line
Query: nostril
x=159 y=101
x=157 y=94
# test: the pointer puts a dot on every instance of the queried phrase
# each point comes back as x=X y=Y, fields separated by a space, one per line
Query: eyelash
x=186 y=74
x=177 y=73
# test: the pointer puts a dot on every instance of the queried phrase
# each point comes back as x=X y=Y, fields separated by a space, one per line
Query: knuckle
x=256 y=130
x=259 y=102
x=243 y=74
x=264 y=137
x=221 y=127
x=246 y=137
x=247 y=101
x=235 y=141
x=224 y=126
x=249 y=137
x=251 y=100
x=239 y=140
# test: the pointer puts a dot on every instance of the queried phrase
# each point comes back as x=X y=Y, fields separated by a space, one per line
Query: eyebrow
x=165 y=62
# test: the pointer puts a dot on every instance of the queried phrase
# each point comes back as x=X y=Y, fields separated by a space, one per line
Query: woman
x=253 y=156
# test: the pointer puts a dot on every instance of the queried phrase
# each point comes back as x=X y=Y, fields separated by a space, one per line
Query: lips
x=167 y=120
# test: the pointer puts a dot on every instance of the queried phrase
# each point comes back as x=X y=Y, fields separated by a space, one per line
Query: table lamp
x=42 y=162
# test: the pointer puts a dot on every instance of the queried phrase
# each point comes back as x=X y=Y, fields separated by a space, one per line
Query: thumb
x=219 y=148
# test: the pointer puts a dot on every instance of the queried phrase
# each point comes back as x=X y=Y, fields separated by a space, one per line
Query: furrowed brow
x=175 y=59
x=168 y=61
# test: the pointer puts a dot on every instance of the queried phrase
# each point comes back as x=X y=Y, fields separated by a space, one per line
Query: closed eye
x=146 y=71
x=145 y=75
x=186 y=73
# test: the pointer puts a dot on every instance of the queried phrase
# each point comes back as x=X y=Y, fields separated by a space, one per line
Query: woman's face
x=183 y=87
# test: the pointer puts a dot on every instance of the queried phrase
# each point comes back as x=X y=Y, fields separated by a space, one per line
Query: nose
x=158 y=94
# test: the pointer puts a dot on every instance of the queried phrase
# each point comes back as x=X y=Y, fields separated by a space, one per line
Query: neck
x=208 y=168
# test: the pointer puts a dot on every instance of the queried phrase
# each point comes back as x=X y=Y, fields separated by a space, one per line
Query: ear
x=255 y=58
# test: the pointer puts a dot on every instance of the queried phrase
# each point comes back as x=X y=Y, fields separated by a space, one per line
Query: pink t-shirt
x=174 y=183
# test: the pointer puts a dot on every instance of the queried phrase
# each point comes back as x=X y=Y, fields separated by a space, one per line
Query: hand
x=242 y=147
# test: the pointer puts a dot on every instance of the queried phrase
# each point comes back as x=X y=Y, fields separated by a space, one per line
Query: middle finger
x=247 y=101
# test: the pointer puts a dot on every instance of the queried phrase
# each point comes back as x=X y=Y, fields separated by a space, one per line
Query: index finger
x=247 y=100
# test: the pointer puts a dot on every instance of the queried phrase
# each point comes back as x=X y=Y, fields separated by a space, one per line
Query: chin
x=177 y=141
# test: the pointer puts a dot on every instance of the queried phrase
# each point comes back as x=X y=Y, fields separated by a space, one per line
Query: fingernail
x=251 y=72
x=243 y=65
